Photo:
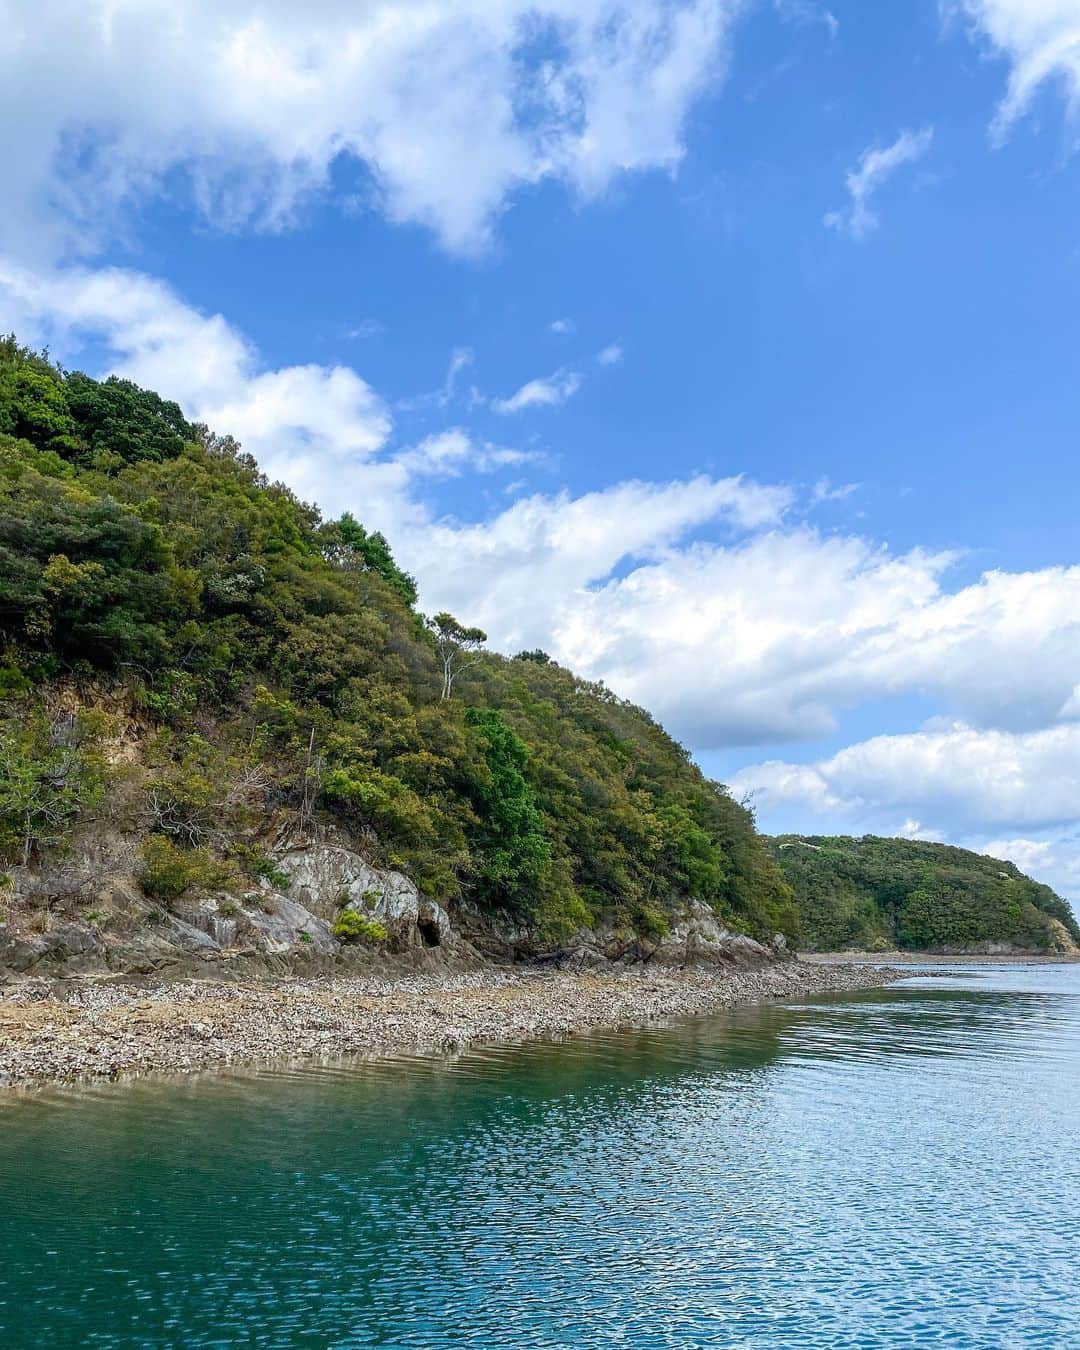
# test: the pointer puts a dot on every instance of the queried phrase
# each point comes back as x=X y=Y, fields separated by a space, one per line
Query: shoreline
x=939 y=958
x=102 y=1031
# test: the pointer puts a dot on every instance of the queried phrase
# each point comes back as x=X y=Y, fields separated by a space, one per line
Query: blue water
x=895 y=1168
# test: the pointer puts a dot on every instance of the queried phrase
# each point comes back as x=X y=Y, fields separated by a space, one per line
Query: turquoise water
x=895 y=1168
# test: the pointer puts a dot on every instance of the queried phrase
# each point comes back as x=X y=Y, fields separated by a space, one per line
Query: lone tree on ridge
x=457 y=647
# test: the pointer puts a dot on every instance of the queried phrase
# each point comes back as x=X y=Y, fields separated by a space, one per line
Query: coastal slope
x=876 y=894
x=228 y=731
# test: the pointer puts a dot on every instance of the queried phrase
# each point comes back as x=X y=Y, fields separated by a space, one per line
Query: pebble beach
x=91 y=1029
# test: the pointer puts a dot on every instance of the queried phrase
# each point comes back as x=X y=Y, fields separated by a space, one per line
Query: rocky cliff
x=88 y=914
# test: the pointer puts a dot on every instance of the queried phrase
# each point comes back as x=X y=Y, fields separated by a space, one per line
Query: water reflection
x=893 y=1168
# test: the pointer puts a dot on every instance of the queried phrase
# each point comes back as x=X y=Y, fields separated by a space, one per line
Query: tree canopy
x=875 y=893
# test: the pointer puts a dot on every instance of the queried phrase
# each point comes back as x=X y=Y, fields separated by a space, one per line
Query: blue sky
x=727 y=351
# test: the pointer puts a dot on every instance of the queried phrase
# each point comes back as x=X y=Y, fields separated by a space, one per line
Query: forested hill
x=188 y=651
x=873 y=894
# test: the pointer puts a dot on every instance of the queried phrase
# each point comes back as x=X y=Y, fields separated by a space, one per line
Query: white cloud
x=461 y=358
x=770 y=637
x=1041 y=41
x=1027 y=854
x=448 y=454
x=611 y=355
x=528 y=574
x=564 y=327
x=876 y=166
x=449 y=107
x=307 y=424
x=807 y=12
x=548 y=391
x=913 y=829
x=762 y=638
x=825 y=491
x=964 y=780
x=964 y=783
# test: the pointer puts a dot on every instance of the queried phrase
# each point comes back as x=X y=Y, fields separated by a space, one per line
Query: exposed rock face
x=94 y=918
x=1062 y=943
x=695 y=936
x=326 y=878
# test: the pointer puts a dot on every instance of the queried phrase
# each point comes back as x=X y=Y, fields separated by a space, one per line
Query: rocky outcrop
x=694 y=937
x=327 y=877
x=94 y=918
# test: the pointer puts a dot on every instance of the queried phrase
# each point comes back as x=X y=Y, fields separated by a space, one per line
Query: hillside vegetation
x=871 y=893
x=188 y=651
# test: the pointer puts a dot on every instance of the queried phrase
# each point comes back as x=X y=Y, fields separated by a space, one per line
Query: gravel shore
x=96 y=1030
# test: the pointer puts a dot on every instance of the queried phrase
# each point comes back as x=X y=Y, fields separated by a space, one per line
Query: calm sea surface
x=896 y=1168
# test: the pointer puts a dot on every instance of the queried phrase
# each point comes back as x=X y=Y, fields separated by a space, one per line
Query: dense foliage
x=276 y=663
x=873 y=893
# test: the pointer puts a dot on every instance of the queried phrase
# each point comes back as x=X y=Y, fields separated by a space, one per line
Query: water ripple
x=892 y=1169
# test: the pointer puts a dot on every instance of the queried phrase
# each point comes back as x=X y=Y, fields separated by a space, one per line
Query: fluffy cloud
x=611 y=355
x=1040 y=39
x=549 y=391
x=448 y=454
x=308 y=424
x=529 y=575
x=448 y=107
x=876 y=166
x=766 y=638
x=965 y=778
x=824 y=490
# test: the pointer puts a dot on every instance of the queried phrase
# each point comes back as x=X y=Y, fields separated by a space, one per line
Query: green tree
x=457 y=647
x=346 y=544
x=46 y=780
x=513 y=848
x=118 y=417
x=33 y=404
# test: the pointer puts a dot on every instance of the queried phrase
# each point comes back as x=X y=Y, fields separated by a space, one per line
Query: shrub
x=47 y=778
x=205 y=796
x=168 y=871
x=354 y=927
x=650 y=922
x=259 y=864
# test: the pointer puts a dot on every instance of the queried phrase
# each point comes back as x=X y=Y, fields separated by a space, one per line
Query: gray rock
x=326 y=878
x=695 y=936
x=280 y=923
